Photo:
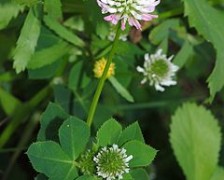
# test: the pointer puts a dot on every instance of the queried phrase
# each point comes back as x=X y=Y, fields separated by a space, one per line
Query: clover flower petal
x=131 y=11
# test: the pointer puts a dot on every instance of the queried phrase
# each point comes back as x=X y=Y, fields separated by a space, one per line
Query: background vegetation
x=47 y=52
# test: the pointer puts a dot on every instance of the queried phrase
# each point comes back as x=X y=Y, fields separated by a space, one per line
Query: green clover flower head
x=86 y=162
x=112 y=162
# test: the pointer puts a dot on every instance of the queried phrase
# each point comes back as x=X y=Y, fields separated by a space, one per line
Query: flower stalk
x=100 y=85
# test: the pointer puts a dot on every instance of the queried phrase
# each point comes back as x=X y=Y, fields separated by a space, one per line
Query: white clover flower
x=112 y=162
x=158 y=70
x=130 y=11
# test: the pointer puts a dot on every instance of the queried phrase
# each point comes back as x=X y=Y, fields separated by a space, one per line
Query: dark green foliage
x=48 y=49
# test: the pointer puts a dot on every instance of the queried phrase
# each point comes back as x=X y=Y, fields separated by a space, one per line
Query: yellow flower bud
x=99 y=68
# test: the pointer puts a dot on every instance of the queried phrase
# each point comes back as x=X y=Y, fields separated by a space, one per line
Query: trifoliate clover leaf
x=74 y=135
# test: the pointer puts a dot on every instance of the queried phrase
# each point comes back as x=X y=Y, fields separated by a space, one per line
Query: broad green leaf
x=128 y=50
x=7 y=76
x=183 y=55
x=128 y=176
x=161 y=32
x=142 y=154
x=76 y=8
x=27 y=42
x=48 y=158
x=108 y=133
x=139 y=174
x=8 y=102
x=62 y=95
x=41 y=177
x=74 y=75
x=100 y=47
x=192 y=129
x=51 y=120
x=8 y=11
x=6 y=44
x=47 y=39
x=102 y=112
x=93 y=13
x=132 y=132
x=53 y=8
x=28 y=3
x=87 y=177
x=62 y=31
x=209 y=23
x=75 y=23
x=123 y=73
x=219 y=174
x=48 y=56
x=164 y=45
x=47 y=71
x=74 y=135
x=102 y=29
x=121 y=90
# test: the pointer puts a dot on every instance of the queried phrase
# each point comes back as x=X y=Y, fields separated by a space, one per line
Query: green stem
x=102 y=80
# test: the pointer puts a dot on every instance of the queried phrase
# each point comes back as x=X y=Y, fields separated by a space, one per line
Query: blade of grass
x=22 y=113
x=23 y=142
x=157 y=104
